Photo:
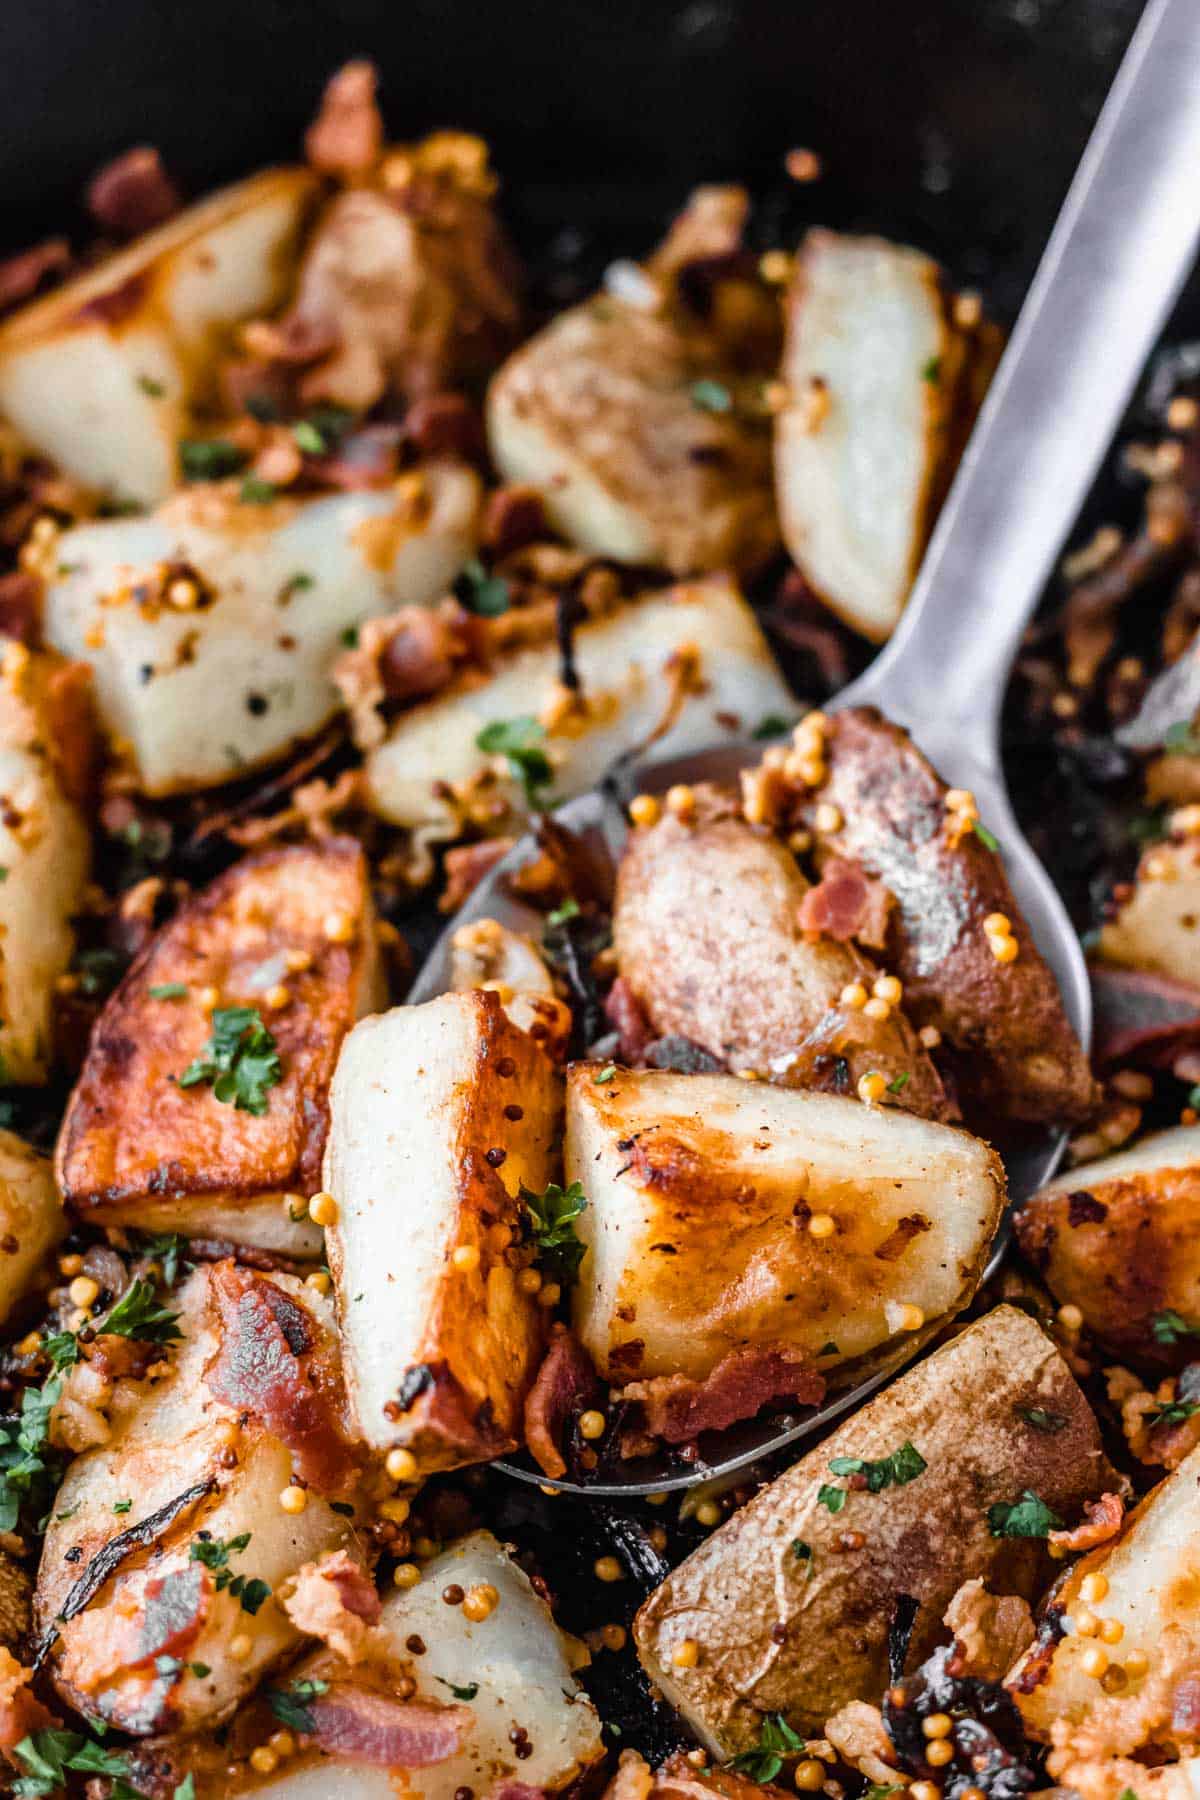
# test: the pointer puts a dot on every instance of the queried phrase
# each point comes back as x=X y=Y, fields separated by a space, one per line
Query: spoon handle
x=1118 y=255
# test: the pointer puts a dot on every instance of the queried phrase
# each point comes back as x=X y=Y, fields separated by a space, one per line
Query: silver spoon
x=1118 y=255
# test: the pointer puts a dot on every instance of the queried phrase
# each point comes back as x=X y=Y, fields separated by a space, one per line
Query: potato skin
x=31 y=1218
x=1122 y=1248
x=707 y=937
x=959 y=1409
x=137 y=1149
x=1018 y=1056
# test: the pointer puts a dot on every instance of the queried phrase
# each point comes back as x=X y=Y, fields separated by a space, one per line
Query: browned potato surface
x=803 y=1631
x=1117 y=1238
x=138 y=1149
x=1018 y=1056
x=708 y=938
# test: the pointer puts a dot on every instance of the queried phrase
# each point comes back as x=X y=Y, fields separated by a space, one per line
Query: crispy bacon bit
x=678 y=1408
x=632 y=1781
x=364 y=1726
x=266 y=1365
x=346 y=136
x=20 y=604
x=513 y=518
x=1141 y=1015
x=856 y=1733
x=20 y=1711
x=409 y=655
x=901 y=1236
x=1103 y=1522
x=115 y=1357
x=468 y=865
x=132 y=194
x=624 y=1013
x=150 y=1615
x=23 y=275
x=990 y=1631
x=564 y=1386
x=445 y=425
x=335 y=1600
x=846 y=904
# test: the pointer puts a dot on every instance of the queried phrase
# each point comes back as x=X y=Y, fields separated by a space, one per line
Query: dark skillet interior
x=954 y=124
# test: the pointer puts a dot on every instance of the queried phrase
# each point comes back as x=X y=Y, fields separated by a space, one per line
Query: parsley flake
x=1167 y=1328
x=122 y=1506
x=461 y=1693
x=830 y=1497
x=148 y=385
x=290 y=1705
x=1041 y=1420
x=254 y=491
x=553 y=1213
x=169 y=990
x=1182 y=739
x=711 y=396
x=899 y=1082
x=987 y=838
x=605 y=1074
x=239 y=1060
x=773 y=725
x=932 y=370
x=1173 y=1413
x=209 y=459
x=137 y=1314
x=776 y=1740
x=1028 y=1517
x=896 y=1470
x=569 y=909
x=484 y=594
x=214 y=1553
x=519 y=740
x=167 y=1248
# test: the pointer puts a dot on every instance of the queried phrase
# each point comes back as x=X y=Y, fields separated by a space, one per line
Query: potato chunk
x=31 y=1218
x=212 y=625
x=700 y=1188
x=1157 y=928
x=102 y=375
x=167 y=1576
x=879 y=379
x=803 y=1631
x=698 y=643
x=1150 y=1574
x=46 y=743
x=137 y=1147
x=708 y=937
x=625 y=421
x=1117 y=1239
x=440 y=1113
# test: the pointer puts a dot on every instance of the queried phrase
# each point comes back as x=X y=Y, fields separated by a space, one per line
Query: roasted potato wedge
x=137 y=1148
x=882 y=387
x=516 y=1665
x=700 y=1188
x=440 y=1114
x=46 y=745
x=781 y=1630
x=1017 y=1056
x=708 y=938
x=1117 y=1239
x=625 y=420
x=103 y=374
x=1149 y=1571
x=211 y=626
x=31 y=1219
x=698 y=644
x=1157 y=928
x=157 y=1534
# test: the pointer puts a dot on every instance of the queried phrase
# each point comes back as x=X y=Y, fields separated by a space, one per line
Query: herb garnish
x=239 y=1060
x=487 y=595
x=137 y=1314
x=899 y=1082
x=122 y=1506
x=167 y=1248
x=209 y=459
x=553 y=1213
x=987 y=838
x=518 y=740
x=28 y=1468
x=833 y=1498
x=1028 y=1517
x=1040 y=1419
x=802 y=1551
x=290 y=1705
x=932 y=370
x=773 y=725
x=254 y=491
x=711 y=396
x=148 y=385
x=49 y=1754
x=1173 y=1413
x=169 y=990
x=1168 y=1328
x=1181 y=739
x=775 y=1741
x=214 y=1553
x=606 y=1074
x=461 y=1693
x=896 y=1470
x=569 y=909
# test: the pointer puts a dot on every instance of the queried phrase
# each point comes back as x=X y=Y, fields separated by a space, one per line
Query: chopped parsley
x=63 y=1350
x=569 y=909
x=1028 y=1517
x=209 y=459
x=896 y=1470
x=122 y=1506
x=899 y=1082
x=553 y=1213
x=1174 y=1413
x=878 y=1790
x=99 y=970
x=606 y=1074
x=802 y=1552
x=461 y=1693
x=29 y=1470
x=167 y=1248
x=773 y=725
x=775 y=1741
x=254 y=491
x=239 y=1060
x=298 y=584
x=487 y=595
x=1041 y=1420
x=49 y=1755
x=169 y=990
x=833 y=1498
x=214 y=1553
x=350 y=638
x=137 y=1314
x=308 y=438
x=987 y=838
x=519 y=741
x=148 y=385
x=1168 y=1328
x=186 y=1789
x=932 y=370
x=711 y=396
x=1181 y=739
x=290 y=1705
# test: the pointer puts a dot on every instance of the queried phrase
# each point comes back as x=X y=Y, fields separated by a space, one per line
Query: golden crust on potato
x=138 y=1149
x=1117 y=1238
x=708 y=938
x=780 y=1631
x=1019 y=1058
x=440 y=1114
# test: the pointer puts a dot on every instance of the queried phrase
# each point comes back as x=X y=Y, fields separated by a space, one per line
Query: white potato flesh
x=167 y=1437
x=625 y=662
x=695 y=1243
x=520 y=1664
x=421 y=1095
x=857 y=448
x=1157 y=928
x=101 y=375
x=204 y=695
x=31 y=1218
x=1151 y=1571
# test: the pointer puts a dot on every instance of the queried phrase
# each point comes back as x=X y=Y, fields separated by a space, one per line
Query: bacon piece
x=513 y=518
x=1103 y=1522
x=364 y=1726
x=467 y=866
x=846 y=903
x=623 y=1011
x=335 y=1600
x=1140 y=1015
x=20 y=603
x=132 y=194
x=267 y=1364
x=518 y=1790
x=156 y=1615
x=346 y=136
x=367 y=459
x=21 y=276
x=677 y=1408
x=991 y=1632
x=564 y=1386
x=445 y=425
x=114 y=1356
x=419 y=654
x=20 y=1711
